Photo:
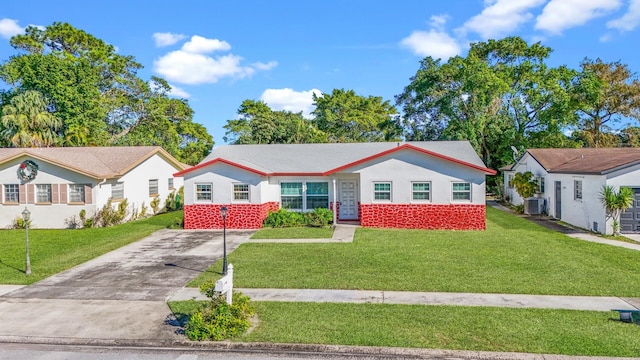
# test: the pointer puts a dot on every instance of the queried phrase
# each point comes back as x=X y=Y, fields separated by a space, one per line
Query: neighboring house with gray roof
x=570 y=182
x=432 y=184
x=56 y=183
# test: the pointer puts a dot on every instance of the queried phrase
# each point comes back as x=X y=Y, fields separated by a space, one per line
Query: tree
x=97 y=94
x=616 y=202
x=525 y=184
x=604 y=93
x=27 y=122
x=258 y=124
x=347 y=117
x=501 y=94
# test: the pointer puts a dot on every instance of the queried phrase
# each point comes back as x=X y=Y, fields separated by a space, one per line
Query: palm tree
x=615 y=202
x=27 y=121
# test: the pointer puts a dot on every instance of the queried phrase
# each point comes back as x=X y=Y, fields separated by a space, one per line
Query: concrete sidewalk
x=590 y=303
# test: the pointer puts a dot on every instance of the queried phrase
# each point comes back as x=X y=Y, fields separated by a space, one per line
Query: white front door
x=348 y=200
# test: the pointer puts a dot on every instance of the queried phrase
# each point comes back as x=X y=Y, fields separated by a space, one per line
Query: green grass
x=512 y=256
x=587 y=333
x=53 y=251
x=294 y=233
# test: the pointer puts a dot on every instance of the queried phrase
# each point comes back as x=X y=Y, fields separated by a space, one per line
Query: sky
x=217 y=54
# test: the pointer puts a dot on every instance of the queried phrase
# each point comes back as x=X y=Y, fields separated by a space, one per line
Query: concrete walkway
x=590 y=303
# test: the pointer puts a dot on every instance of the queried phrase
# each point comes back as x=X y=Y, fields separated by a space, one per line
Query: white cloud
x=201 y=45
x=178 y=92
x=9 y=28
x=435 y=42
x=501 y=17
x=192 y=65
x=290 y=100
x=166 y=39
x=559 y=15
x=628 y=21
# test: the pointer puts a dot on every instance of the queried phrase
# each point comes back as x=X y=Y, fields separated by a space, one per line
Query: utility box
x=532 y=206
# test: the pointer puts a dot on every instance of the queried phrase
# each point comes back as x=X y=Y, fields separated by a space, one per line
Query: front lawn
x=587 y=333
x=512 y=256
x=53 y=251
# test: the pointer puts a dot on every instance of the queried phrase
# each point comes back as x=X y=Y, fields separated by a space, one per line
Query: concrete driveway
x=118 y=295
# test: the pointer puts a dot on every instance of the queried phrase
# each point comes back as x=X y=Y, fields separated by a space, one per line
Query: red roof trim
x=415 y=148
x=216 y=160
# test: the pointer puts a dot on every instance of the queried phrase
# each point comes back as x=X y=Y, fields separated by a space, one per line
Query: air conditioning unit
x=532 y=206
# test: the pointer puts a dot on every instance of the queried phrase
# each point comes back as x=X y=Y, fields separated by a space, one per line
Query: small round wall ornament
x=28 y=170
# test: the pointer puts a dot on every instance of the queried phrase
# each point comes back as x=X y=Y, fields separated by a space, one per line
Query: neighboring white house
x=432 y=185
x=56 y=183
x=570 y=182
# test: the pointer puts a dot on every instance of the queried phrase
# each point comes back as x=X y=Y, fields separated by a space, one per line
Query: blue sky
x=219 y=53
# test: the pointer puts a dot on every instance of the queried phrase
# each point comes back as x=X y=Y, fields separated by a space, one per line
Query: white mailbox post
x=225 y=285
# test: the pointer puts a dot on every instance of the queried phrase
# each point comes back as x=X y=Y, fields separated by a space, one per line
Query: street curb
x=292 y=349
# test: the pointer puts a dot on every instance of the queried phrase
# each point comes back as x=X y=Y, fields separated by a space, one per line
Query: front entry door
x=558 y=200
x=348 y=200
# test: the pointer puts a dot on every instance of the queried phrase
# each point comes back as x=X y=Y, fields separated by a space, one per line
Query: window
x=291 y=195
x=117 y=191
x=203 y=192
x=382 y=191
x=420 y=191
x=43 y=193
x=12 y=193
x=510 y=180
x=241 y=192
x=317 y=195
x=153 y=187
x=577 y=189
x=461 y=191
x=540 y=181
x=76 y=193
x=170 y=183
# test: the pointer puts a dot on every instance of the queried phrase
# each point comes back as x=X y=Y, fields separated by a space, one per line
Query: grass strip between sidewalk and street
x=294 y=233
x=570 y=332
x=512 y=256
x=55 y=250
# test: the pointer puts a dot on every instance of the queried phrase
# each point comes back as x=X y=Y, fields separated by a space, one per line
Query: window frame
x=315 y=196
x=428 y=192
x=301 y=196
x=7 y=193
x=119 y=188
x=153 y=184
x=199 y=192
x=577 y=190
x=236 y=192
x=379 y=192
x=454 y=191
x=70 y=193
x=38 y=193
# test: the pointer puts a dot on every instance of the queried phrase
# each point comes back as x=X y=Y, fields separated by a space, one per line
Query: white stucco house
x=56 y=183
x=430 y=185
x=570 y=182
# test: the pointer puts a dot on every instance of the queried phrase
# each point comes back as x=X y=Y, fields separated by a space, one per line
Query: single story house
x=570 y=182
x=56 y=183
x=428 y=185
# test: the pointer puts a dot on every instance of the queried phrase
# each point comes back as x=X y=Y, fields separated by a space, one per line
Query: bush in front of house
x=286 y=218
x=216 y=320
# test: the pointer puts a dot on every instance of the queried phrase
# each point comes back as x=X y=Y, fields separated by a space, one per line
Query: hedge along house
x=428 y=185
x=55 y=184
x=570 y=182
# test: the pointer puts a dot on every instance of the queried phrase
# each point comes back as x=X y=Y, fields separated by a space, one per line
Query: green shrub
x=216 y=320
x=284 y=218
x=519 y=209
x=319 y=217
x=19 y=223
x=155 y=205
x=108 y=216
